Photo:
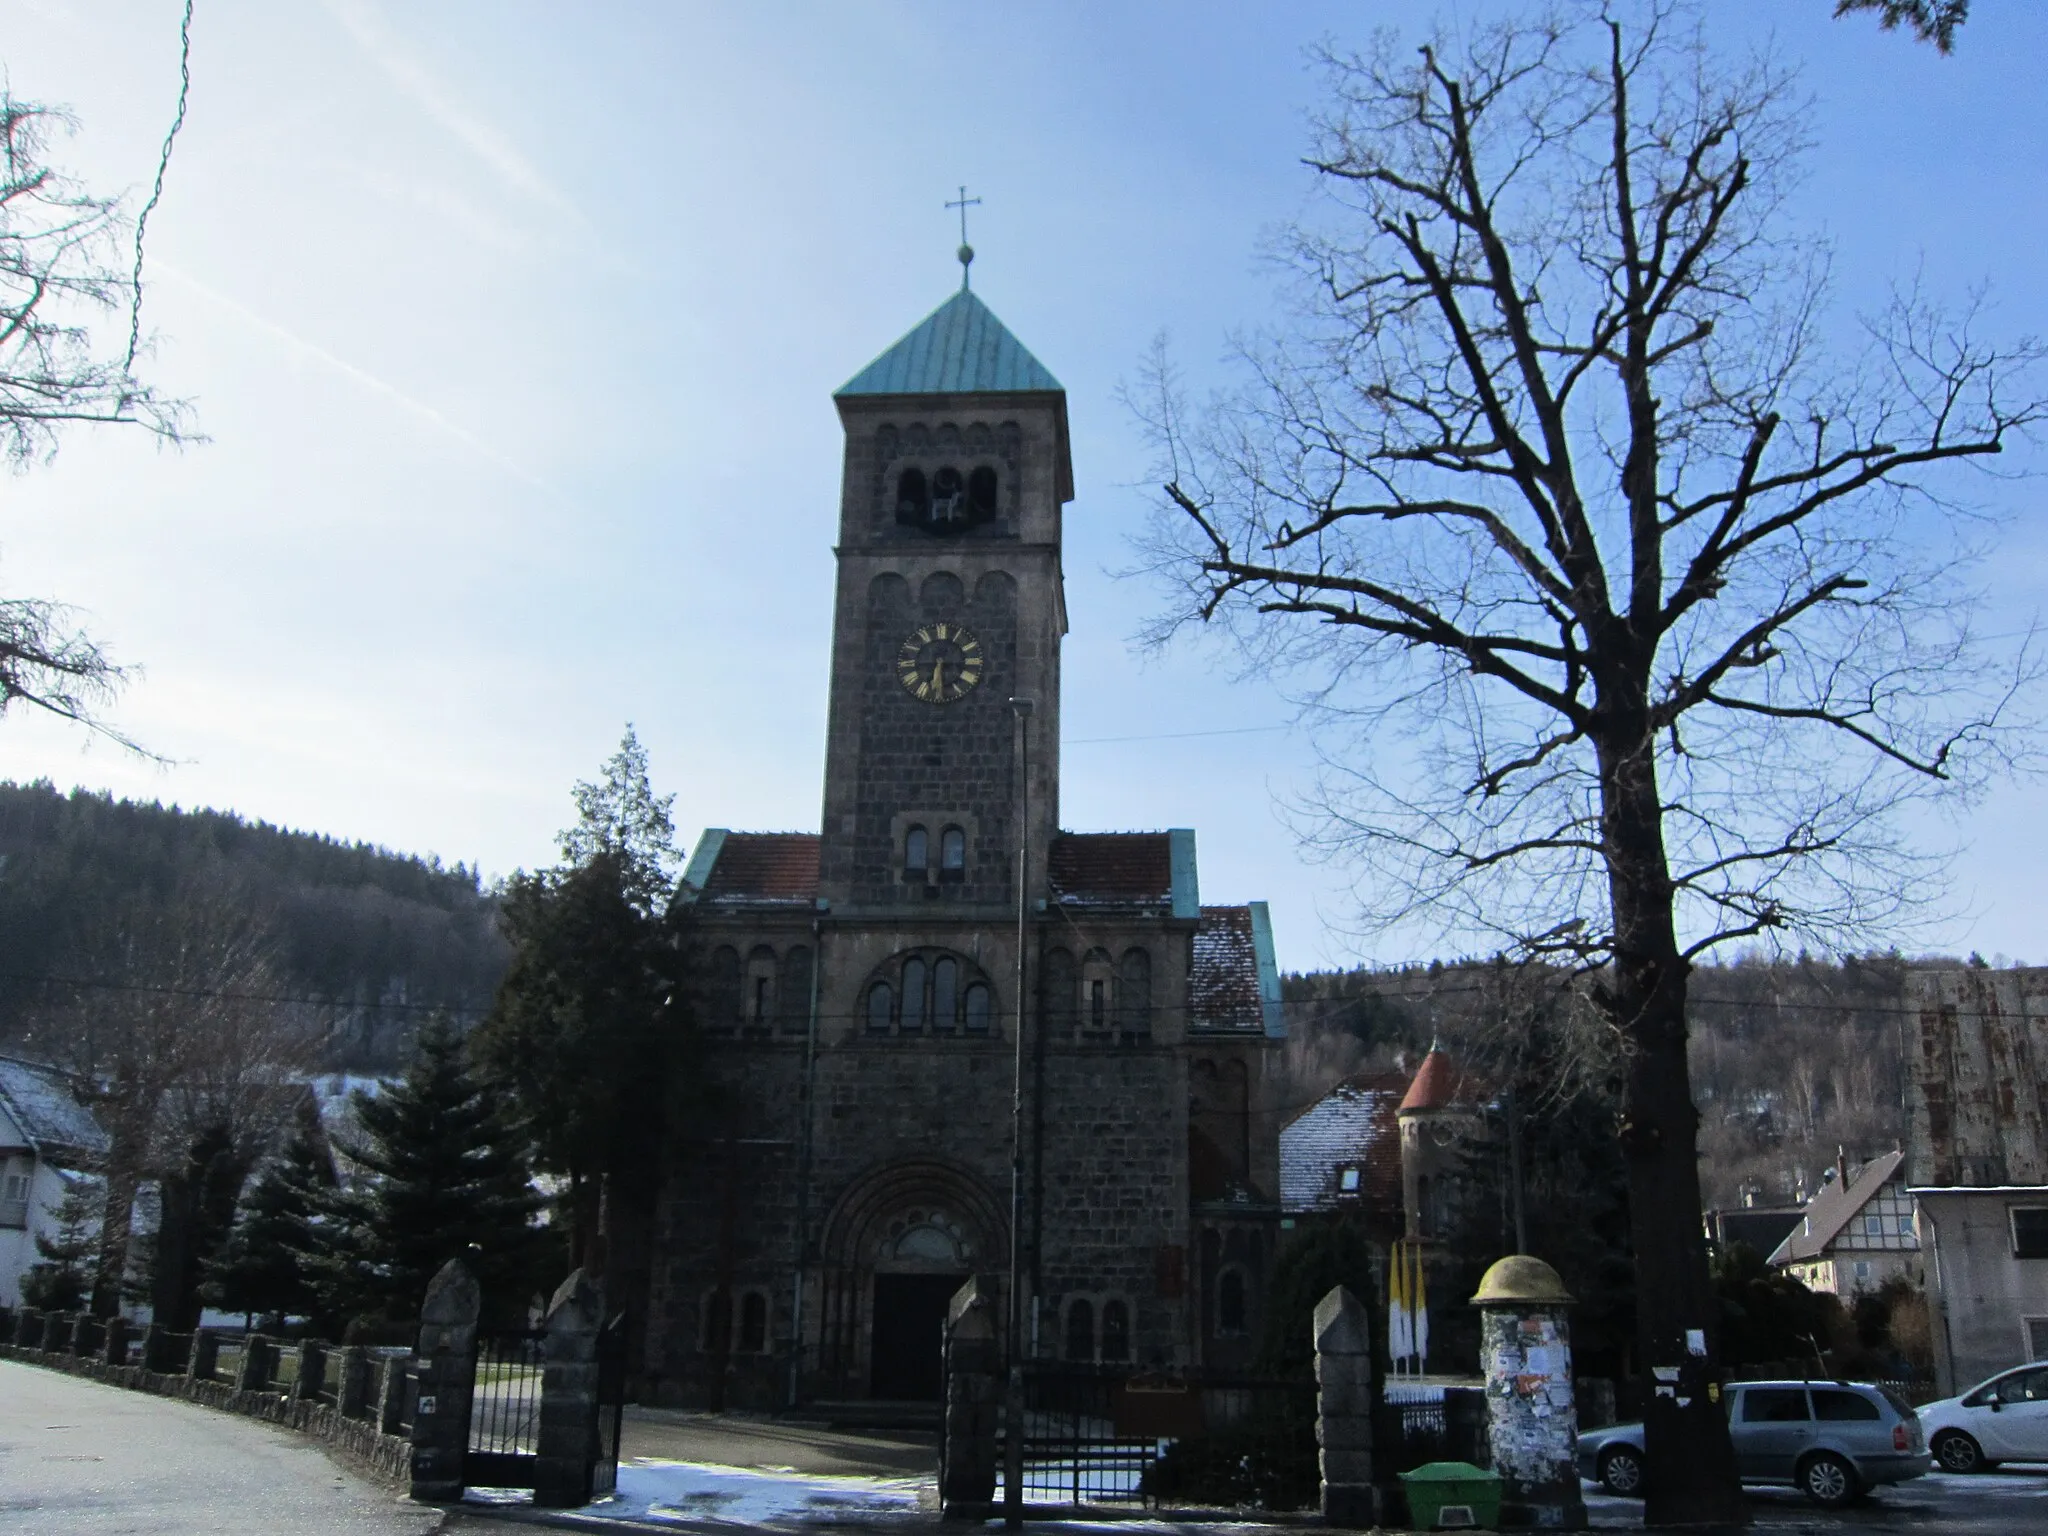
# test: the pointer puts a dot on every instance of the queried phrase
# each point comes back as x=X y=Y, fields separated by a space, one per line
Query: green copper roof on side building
x=960 y=348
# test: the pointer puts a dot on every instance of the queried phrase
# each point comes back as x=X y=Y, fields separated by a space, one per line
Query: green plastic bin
x=1452 y=1496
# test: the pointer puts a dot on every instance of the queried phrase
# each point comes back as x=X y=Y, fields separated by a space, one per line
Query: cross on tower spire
x=966 y=253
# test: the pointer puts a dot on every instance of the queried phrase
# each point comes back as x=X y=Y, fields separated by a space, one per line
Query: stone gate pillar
x=447 y=1356
x=1344 y=1397
x=974 y=1363
x=1525 y=1354
x=567 y=1442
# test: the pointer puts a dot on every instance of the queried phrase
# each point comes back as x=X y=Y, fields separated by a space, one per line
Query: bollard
x=1343 y=1342
x=257 y=1368
x=1525 y=1354
x=204 y=1358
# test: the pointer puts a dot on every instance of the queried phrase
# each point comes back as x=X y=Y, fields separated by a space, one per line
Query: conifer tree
x=60 y=1281
x=443 y=1175
x=266 y=1268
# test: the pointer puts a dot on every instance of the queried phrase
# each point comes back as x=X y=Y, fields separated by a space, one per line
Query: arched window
x=978 y=1009
x=881 y=1007
x=793 y=989
x=1230 y=1303
x=949 y=498
x=753 y=1324
x=1081 y=1329
x=725 y=987
x=1059 y=994
x=1134 y=995
x=1116 y=1331
x=981 y=493
x=952 y=854
x=917 y=854
x=760 y=999
x=913 y=501
x=945 y=993
x=913 y=996
x=1097 y=983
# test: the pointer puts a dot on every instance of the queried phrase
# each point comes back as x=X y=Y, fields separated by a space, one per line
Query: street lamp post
x=1013 y=1446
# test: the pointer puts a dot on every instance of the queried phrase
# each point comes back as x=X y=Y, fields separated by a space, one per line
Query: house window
x=917 y=854
x=952 y=854
x=2030 y=1231
x=1081 y=1330
x=1862 y=1268
x=881 y=1005
x=1873 y=1225
x=1116 y=1331
x=1098 y=1005
x=14 y=1200
x=753 y=1324
x=978 y=1008
x=1347 y=1181
x=945 y=993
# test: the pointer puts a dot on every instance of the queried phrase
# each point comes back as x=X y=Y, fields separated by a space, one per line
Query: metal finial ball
x=966 y=254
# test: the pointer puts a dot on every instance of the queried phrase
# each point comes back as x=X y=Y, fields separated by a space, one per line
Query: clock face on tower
x=938 y=663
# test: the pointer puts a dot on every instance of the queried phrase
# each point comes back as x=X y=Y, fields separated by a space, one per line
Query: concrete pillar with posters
x=1344 y=1398
x=447 y=1367
x=974 y=1400
x=1525 y=1354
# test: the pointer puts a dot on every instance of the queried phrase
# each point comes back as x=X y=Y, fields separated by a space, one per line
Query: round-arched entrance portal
x=899 y=1242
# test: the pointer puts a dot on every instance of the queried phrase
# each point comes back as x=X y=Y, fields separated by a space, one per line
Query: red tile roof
x=1223 y=986
x=765 y=866
x=1438 y=1083
x=1112 y=866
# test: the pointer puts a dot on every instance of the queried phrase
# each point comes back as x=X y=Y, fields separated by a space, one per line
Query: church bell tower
x=950 y=605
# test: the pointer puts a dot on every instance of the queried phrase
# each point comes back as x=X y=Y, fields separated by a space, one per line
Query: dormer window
x=1347 y=1180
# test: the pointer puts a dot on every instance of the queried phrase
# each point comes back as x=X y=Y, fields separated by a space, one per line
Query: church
x=885 y=1008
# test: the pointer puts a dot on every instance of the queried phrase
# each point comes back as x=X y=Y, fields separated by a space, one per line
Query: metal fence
x=1413 y=1426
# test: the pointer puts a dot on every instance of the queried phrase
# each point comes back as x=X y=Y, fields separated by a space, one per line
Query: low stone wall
x=387 y=1458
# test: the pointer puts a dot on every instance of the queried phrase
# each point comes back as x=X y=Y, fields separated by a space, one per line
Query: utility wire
x=163 y=165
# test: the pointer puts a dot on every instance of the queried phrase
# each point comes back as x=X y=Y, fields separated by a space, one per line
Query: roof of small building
x=751 y=868
x=1828 y=1212
x=1439 y=1083
x=960 y=348
x=1353 y=1125
x=40 y=1100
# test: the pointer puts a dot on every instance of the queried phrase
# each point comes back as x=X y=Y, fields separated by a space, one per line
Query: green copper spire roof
x=960 y=348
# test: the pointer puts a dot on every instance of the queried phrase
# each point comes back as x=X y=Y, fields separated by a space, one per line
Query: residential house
x=1342 y=1154
x=47 y=1139
x=1857 y=1233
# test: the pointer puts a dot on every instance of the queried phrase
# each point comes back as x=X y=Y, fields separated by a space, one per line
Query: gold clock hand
x=938 y=674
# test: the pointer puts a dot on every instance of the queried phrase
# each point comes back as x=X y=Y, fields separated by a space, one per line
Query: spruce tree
x=264 y=1269
x=443 y=1175
x=60 y=1281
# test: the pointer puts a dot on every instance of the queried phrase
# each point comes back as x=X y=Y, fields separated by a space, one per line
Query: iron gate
x=1108 y=1436
x=504 y=1409
x=611 y=1407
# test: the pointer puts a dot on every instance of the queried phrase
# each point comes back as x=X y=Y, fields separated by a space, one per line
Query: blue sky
x=514 y=329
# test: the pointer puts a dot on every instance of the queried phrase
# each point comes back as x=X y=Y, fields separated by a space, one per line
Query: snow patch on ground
x=653 y=1489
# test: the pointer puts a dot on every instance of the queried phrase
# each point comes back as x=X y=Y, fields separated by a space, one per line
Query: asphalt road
x=2010 y=1502
x=81 y=1459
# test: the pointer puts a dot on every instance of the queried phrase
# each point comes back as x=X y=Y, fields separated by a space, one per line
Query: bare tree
x=1643 y=600
x=169 y=1013
x=66 y=303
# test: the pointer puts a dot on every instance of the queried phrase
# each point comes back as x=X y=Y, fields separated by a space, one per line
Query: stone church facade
x=862 y=1002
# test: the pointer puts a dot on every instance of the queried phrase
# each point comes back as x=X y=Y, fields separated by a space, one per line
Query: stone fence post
x=567 y=1443
x=447 y=1356
x=1344 y=1396
x=352 y=1386
x=256 y=1365
x=1525 y=1353
x=312 y=1375
x=30 y=1326
x=390 y=1394
x=974 y=1392
x=114 y=1348
x=204 y=1358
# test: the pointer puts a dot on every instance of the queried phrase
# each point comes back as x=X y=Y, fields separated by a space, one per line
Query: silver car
x=1832 y=1440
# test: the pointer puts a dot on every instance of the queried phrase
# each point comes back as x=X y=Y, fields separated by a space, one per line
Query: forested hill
x=383 y=936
